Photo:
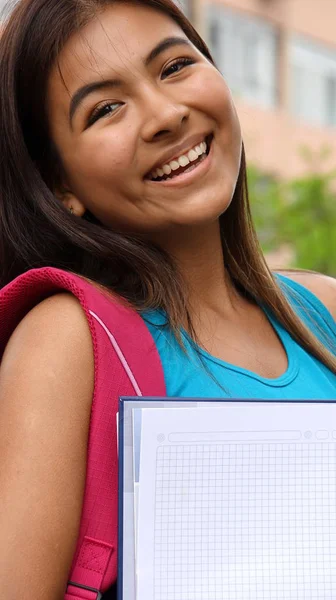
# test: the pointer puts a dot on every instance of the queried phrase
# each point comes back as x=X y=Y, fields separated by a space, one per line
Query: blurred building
x=279 y=59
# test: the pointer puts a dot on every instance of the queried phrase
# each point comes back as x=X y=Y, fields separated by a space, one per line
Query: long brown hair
x=36 y=230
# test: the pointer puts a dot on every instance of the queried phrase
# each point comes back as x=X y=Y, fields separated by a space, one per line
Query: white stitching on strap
x=119 y=354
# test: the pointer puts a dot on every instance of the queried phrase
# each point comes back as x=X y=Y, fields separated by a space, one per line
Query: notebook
x=227 y=499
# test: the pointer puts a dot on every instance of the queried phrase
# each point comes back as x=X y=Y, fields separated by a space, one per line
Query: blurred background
x=279 y=59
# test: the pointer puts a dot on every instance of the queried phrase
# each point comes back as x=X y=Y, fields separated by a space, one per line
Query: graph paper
x=229 y=509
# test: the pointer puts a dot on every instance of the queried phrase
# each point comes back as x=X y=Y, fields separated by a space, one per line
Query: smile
x=182 y=165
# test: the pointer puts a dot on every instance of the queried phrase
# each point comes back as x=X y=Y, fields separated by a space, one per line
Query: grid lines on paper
x=245 y=521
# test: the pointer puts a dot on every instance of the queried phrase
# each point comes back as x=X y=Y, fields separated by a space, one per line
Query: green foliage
x=300 y=214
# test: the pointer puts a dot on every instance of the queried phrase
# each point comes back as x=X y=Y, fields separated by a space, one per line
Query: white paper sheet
x=136 y=433
x=238 y=503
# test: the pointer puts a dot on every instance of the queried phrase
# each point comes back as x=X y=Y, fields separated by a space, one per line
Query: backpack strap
x=126 y=363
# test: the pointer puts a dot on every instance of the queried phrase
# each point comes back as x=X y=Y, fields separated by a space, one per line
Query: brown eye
x=177 y=65
x=103 y=110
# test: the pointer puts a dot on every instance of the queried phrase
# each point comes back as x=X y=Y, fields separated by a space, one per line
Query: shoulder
x=322 y=286
x=51 y=343
x=59 y=316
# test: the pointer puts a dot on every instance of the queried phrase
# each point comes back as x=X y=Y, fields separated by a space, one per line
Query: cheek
x=227 y=118
x=103 y=158
x=222 y=106
x=209 y=93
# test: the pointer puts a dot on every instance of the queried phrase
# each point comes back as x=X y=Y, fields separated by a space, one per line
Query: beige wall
x=273 y=138
x=275 y=10
x=315 y=18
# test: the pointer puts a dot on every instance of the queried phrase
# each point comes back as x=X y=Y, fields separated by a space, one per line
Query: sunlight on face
x=134 y=95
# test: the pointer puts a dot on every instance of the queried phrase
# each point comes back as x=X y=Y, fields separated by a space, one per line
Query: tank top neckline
x=288 y=344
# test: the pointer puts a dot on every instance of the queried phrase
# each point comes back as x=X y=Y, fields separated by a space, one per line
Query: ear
x=71 y=202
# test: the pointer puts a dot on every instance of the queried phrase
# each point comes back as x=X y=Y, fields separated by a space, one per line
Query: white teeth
x=181 y=161
x=192 y=155
x=166 y=169
x=174 y=165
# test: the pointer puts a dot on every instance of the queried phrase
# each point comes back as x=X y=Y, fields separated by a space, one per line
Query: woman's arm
x=46 y=388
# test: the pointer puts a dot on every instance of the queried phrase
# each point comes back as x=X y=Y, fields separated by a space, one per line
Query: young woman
x=122 y=161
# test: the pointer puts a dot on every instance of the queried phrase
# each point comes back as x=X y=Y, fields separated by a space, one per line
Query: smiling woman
x=143 y=106
x=123 y=169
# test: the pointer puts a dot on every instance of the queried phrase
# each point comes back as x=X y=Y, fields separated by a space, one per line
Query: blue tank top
x=195 y=373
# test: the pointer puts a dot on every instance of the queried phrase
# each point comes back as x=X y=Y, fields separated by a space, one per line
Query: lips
x=187 y=176
x=178 y=151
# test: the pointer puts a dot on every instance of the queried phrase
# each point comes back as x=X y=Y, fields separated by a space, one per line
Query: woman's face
x=131 y=102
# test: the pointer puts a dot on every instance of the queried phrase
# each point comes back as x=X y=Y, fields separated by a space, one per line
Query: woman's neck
x=199 y=256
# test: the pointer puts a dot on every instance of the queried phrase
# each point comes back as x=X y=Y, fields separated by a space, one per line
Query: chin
x=204 y=210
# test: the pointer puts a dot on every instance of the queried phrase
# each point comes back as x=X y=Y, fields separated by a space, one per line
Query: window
x=214 y=33
x=330 y=97
x=313 y=82
x=4 y=6
x=250 y=61
x=246 y=51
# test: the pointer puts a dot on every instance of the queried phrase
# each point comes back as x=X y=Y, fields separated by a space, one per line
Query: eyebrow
x=169 y=42
x=90 y=88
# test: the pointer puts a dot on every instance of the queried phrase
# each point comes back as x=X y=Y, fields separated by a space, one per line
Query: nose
x=162 y=115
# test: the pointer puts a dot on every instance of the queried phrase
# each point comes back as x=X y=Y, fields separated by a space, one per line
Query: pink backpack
x=126 y=364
